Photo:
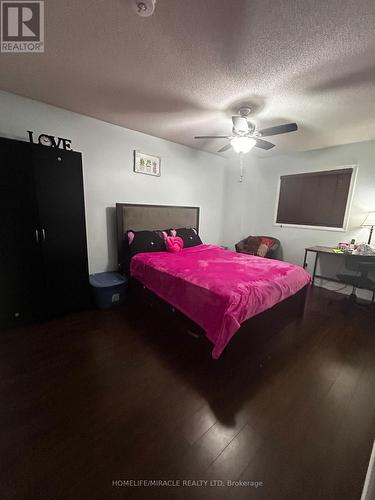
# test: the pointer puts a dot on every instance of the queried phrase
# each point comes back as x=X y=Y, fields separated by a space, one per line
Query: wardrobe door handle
x=37 y=236
x=44 y=235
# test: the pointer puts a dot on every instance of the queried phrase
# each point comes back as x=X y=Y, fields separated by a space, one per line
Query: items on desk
x=343 y=245
x=352 y=248
x=347 y=246
x=363 y=249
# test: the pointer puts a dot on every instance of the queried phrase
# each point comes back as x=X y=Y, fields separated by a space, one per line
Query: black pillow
x=144 y=241
x=189 y=236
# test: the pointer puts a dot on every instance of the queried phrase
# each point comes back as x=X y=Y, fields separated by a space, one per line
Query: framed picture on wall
x=147 y=164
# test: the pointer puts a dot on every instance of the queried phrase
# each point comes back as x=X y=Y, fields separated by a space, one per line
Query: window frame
x=349 y=200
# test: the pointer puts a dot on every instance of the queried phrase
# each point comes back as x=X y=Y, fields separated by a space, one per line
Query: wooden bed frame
x=139 y=217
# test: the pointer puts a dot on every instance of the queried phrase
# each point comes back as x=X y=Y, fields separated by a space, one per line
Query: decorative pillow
x=174 y=244
x=268 y=242
x=262 y=250
x=163 y=233
x=145 y=241
x=251 y=245
x=189 y=236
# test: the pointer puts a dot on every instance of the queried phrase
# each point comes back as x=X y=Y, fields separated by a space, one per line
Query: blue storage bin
x=109 y=289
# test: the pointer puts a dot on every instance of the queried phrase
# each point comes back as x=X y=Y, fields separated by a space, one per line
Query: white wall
x=240 y=206
x=189 y=177
x=258 y=201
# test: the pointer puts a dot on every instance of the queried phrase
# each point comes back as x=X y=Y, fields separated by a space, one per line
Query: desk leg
x=315 y=264
x=304 y=260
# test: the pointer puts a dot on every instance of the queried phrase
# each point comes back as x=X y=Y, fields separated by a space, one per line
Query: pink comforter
x=217 y=288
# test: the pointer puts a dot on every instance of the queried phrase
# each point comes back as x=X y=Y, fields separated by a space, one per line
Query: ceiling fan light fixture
x=242 y=144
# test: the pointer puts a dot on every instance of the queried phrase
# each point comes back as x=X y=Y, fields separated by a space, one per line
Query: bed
x=217 y=289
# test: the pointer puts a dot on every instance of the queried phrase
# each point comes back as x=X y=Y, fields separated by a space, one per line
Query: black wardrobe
x=43 y=249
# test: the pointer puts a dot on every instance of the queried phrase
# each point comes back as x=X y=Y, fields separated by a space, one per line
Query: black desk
x=318 y=250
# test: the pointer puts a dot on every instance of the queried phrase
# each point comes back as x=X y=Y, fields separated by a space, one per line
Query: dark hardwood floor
x=118 y=395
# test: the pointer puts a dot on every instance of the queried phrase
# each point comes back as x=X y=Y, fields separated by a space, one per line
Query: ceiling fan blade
x=240 y=124
x=279 y=129
x=211 y=137
x=225 y=148
x=264 y=144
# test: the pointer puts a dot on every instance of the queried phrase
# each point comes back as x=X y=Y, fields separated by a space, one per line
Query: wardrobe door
x=21 y=278
x=59 y=188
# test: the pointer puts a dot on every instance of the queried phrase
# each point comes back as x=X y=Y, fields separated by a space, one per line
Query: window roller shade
x=314 y=199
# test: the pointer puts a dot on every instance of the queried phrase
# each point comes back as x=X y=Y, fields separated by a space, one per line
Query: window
x=317 y=199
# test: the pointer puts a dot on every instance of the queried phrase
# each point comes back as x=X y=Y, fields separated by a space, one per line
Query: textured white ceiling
x=183 y=71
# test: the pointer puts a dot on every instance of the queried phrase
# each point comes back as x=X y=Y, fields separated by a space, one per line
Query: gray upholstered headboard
x=151 y=217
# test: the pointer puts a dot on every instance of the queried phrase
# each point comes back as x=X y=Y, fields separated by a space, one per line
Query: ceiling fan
x=245 y=134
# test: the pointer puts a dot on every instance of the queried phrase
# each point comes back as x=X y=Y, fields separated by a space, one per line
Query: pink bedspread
x=217 y=288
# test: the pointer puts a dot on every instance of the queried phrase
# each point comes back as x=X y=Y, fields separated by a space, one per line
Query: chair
x=363 y=265
x=251 y=244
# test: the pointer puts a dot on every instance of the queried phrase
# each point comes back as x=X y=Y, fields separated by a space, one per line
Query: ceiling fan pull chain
x=241 y=166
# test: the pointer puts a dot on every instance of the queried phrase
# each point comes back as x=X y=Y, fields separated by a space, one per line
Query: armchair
x=255 y=245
